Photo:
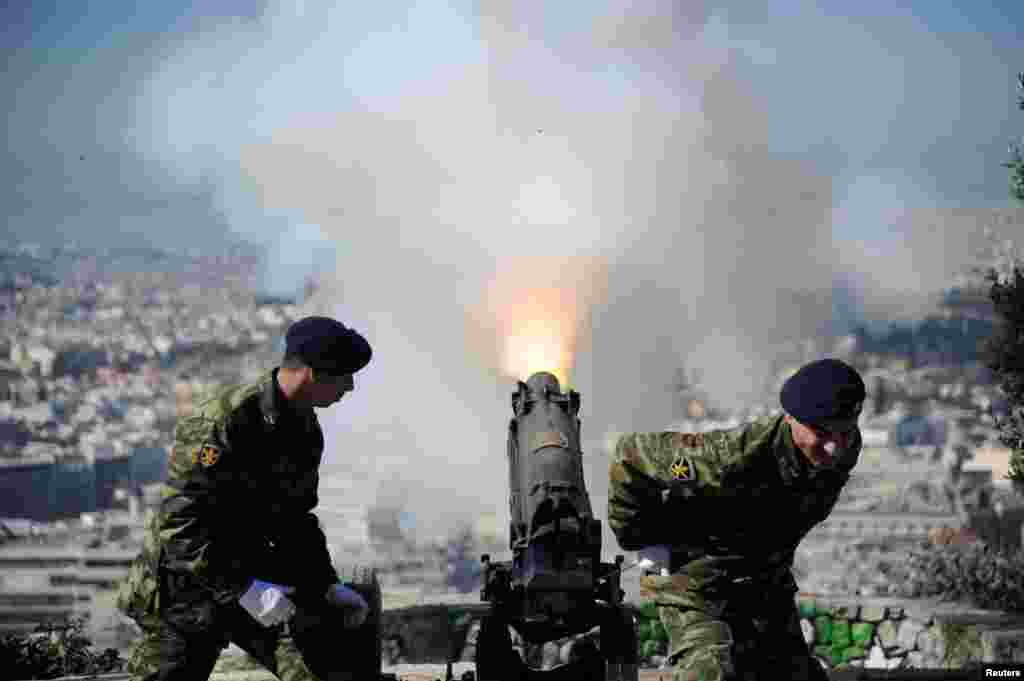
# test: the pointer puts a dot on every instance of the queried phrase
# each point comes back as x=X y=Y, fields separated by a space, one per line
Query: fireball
x=537 y=309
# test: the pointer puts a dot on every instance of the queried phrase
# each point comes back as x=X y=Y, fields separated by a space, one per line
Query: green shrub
x=973 y=573
x=648 y=611
x=649 y=649
x=651 y=633
x=54 y=650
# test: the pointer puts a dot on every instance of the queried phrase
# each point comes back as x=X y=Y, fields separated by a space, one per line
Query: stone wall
x=863 y=632
x=908 y=634
x=881 y=634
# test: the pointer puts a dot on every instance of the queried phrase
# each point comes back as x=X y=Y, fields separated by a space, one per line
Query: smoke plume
x=607 y=183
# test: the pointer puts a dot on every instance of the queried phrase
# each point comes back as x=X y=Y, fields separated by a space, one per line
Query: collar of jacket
x=792 y=465
x=273 y=403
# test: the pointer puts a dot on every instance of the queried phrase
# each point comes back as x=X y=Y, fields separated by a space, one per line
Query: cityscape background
x=670 y=205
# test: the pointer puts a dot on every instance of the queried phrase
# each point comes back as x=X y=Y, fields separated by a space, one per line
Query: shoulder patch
x=206 y=455
x=683 y=469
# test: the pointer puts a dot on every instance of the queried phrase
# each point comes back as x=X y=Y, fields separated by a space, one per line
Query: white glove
x=657 y=556
x=268 y=603
x=340 y=596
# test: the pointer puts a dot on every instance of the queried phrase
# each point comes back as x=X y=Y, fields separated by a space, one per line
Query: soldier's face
x=820 y=447
x=328 y=389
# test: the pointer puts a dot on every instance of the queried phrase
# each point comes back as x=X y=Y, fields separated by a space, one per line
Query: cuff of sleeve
x=232 y=591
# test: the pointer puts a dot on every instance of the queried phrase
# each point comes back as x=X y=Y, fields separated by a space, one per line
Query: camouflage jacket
x=237 y=504
x=729 y=503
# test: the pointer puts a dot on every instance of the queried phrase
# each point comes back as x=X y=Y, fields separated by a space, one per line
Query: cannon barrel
x=555 y=585
x=554 y=537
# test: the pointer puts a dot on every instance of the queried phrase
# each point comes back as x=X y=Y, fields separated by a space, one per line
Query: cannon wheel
x=496 y=660
x=365 y=645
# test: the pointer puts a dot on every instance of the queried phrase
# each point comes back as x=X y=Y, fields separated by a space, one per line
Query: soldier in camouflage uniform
x=234 y=552
x=731 y=506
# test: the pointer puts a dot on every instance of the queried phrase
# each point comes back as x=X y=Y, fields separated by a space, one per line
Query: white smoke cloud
x=625 y=135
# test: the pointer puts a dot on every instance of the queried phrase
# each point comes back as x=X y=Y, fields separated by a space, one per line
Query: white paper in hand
x=268 y=603
x=658 y=557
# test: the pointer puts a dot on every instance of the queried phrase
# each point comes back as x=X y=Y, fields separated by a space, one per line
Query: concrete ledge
x=925 y=609
x=1003 y=645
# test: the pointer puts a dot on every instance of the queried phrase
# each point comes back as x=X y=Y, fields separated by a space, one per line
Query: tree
x=1005 y=349
x=1016 y=162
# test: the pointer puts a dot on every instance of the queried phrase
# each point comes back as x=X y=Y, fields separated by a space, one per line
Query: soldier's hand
x=355 y=606
x=268 y=603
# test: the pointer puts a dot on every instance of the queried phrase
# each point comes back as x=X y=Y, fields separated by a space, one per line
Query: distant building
x=916 y=429
x=47 y=488
x=27 y=488
x=149 y=464
x=80 y=361
x=874 y=437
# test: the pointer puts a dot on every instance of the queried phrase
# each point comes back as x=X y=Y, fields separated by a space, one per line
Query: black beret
x=327 y=345
x=826 y=394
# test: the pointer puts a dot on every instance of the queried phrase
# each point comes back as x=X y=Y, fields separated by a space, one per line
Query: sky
x=622 y=188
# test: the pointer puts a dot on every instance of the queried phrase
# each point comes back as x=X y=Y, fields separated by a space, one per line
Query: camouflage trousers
x=307 y=652
x=739 y=640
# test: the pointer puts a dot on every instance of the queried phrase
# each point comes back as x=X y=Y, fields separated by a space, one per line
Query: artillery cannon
x=555 y=586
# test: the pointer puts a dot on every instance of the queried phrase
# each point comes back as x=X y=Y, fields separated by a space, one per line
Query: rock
x=931 y=642
x=862 y=632
x=895 y=612
x=876 y=659
x=922 y=610
x=887 y=634
x=808 y=630
x=908 y=631
x=872 y=613
x=1002 y=646
x=914 y=660
x=846 y=611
